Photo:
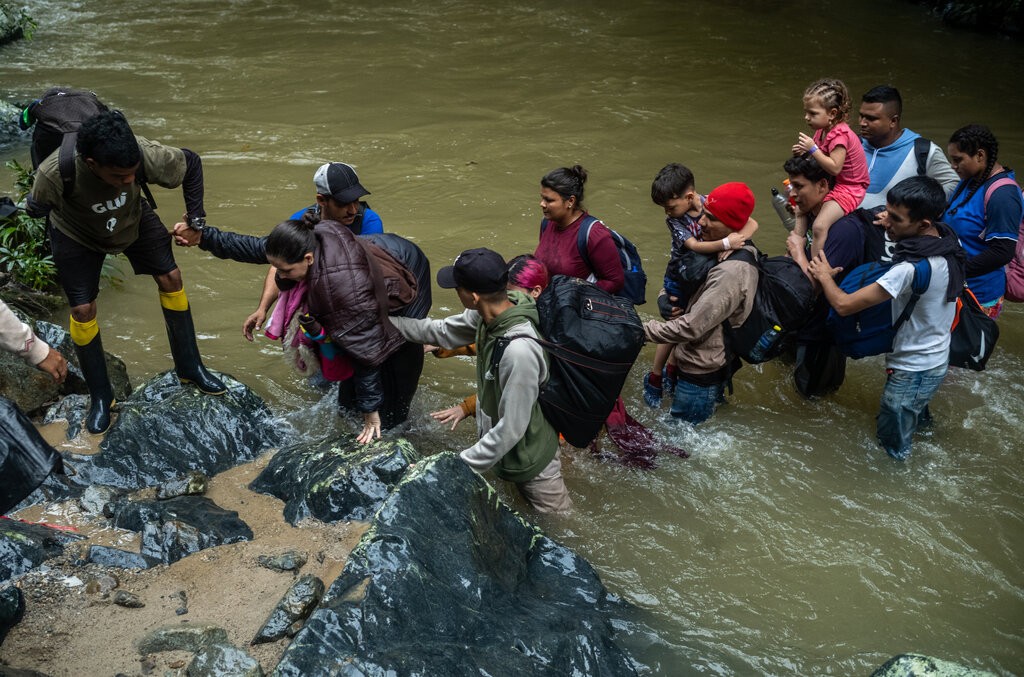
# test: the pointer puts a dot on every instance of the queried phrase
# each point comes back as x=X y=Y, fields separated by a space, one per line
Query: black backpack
x=592 y=339
x=782 y=306
x=57 y=115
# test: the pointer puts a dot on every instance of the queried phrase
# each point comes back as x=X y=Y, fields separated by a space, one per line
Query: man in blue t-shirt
x=892 y=151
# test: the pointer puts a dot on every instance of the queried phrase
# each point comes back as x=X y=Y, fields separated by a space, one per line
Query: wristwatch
x=197 y=222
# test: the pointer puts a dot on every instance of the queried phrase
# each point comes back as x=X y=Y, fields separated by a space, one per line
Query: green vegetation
x=24 y=250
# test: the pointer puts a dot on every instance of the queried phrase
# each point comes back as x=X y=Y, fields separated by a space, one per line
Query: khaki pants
x=546 y=492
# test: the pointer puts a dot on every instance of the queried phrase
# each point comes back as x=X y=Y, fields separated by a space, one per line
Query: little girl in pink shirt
x=839 y=152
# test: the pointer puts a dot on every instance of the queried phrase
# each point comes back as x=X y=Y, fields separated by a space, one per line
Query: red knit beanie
x=731 y=203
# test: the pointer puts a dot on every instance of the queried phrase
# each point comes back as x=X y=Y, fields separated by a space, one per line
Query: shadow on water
x=788 y=543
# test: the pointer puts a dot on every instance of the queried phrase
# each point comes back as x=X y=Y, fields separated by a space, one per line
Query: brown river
x=789 y=543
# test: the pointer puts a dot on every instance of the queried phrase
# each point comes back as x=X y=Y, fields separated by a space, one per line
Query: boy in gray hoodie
x=515 y=440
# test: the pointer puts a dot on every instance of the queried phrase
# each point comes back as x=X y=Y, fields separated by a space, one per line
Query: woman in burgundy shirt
x=561 y=200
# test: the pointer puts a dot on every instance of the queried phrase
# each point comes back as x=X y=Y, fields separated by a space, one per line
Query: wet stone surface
x=335 y=479
x=470 y=575
x=179 y=527
x=293 y=608
x=166 y=430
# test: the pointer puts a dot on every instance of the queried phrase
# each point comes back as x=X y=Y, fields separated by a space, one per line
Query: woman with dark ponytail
x=337 y=292
x=561 y=201
x=985 y=217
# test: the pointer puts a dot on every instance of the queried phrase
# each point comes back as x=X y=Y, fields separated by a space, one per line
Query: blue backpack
x=872 y=330
x=635 y=287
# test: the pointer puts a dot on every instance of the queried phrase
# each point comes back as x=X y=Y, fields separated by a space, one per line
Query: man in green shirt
x=103 y=212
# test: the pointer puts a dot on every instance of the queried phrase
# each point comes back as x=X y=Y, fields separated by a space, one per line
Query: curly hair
x=107 y=139
x=833 y=94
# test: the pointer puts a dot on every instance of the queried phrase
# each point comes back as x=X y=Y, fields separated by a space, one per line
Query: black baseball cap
x=339 y=181
x=482 y=270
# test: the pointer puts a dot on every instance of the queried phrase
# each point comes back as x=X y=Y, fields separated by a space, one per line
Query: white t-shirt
x=922 y=343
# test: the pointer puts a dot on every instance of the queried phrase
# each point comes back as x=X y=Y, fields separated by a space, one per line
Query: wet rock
x=95 y=500
x=293 y=560
x=294 y=607
x=179 y=527
x=128 y=600
x=167 y=429
x=189 y=637
x=223 y=660
x=9 y=113
x=917 y=665
x=337 y=479
x=25 y=546
x=121 y=559
x=12 y=608
x=192 y=484
x=31 y=389
x=449 y=581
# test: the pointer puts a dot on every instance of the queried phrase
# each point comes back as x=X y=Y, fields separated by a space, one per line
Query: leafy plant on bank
x=24 y=247
x=24 y=250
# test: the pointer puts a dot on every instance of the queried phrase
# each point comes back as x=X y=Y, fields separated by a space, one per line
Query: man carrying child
x=727 y=295
x=920 y=357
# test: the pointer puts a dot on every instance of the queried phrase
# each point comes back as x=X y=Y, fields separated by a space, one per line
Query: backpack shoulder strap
x=583 y=239
x=994 y=186
x=66 y=162
x=922 y=147
x=918 y=286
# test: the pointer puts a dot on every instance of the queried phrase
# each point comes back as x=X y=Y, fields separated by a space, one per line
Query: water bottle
x=779 y=202
x=788 y=188
x=765 y=343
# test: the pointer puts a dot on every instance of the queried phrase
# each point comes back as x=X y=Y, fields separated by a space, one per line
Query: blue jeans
x=904 y=405
x=696 y=403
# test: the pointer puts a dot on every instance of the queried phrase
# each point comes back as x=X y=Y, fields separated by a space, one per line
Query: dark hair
x=884 y=94
x=833 y=94
x=970 y=140
x=806 y=166
x=107 y=139
x=290 y=240
x=923 y=197
x=527 y=271
x=672 y=181
x=567 y=182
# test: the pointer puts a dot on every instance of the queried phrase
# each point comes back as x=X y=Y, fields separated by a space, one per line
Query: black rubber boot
x=181 y=334
x=101 y=393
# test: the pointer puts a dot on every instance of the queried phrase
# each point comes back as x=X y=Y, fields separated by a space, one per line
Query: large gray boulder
x=32 y=389
x=25 y=546
x=335 y=479
x=178 y=527
x=449 y=581
x=918 y=665
x=166 y=429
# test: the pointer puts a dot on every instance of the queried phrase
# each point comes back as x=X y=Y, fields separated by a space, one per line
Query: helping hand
x=371 y=428
x=451 y=415
x=185 y=236
x=55 y=365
